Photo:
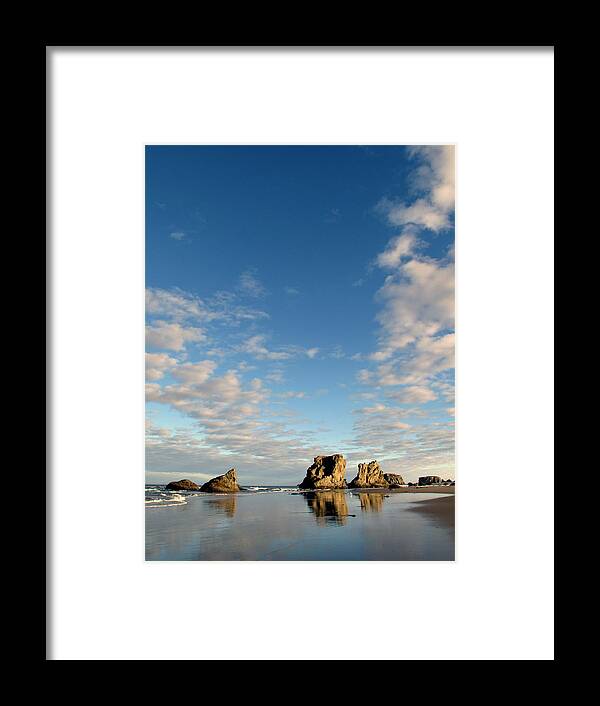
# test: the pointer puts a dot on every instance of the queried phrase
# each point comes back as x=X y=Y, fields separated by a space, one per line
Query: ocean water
x=281 y=523
x=158 y=496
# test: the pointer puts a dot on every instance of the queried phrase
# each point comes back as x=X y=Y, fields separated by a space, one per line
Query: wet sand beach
x=340 y=525
x=443 y=489
x=439 y=509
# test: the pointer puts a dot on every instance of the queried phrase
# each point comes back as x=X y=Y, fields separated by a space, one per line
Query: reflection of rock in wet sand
x=226 y=506
x=371 y=502
x=328 y=506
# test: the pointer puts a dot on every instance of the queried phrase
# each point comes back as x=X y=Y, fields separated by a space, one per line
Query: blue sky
x=300 y=300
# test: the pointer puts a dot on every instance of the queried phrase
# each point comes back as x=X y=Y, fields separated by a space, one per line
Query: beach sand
x=445 y=489
x=441 y=510
x=341 y=525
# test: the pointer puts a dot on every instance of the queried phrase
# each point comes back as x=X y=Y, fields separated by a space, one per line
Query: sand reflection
x=328 y=506
x=370 y=502
x=225 y=506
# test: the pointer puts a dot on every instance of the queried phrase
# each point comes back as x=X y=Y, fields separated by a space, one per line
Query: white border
x=496 y=600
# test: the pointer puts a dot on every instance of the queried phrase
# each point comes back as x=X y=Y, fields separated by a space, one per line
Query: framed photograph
x=300 y=352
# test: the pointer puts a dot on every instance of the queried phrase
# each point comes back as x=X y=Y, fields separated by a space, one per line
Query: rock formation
x=326 y=472
x=393 y=479
x=329 y=506
x=183 y=484
x=227 y=483
x=429 y=480
x=369 y=476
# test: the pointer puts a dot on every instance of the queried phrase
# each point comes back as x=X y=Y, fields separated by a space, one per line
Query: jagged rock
x=369 y=476
x=393 y=479
x=429 y=480
x=183 y=484
x=227 y=483
x=326 y=472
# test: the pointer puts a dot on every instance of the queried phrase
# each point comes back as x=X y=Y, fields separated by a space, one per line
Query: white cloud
x=255 y=345
x=182 y=306
x=250 y=285
x=413 y=394
x=364 y=376
x=415 y=345
x=419 y=301
x=433 y=181
x=275 y=376
x=420 y=213
x=400 y=247
x=232 y=427
x=176 y=304
x=224 y=307
x=195 y=373
x=157 y=364
x=420 y=449
x=432 y=355
x=421 y=361
x=401 y=442
x=154 y=431
x=177 y=235
x=207 y=398
x=382 y=355
x=375 y=409
x=415 y=353
x=436 y=173
x=292 y=291
x=446 y=388
x=174 y=336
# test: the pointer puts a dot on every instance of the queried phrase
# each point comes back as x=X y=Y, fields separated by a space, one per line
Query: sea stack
x=183 y=484
x=227 y=483
x=369 y=475
x=326 y=472
x=429 y=480
x=393 y=479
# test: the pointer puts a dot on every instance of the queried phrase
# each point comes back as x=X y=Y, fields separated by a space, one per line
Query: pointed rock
x=369 y=476
x=326 y=472
x=227 y=483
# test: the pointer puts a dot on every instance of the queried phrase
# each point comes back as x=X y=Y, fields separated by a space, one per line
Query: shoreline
x=436 y=489
x=439 y=509
x=326 y=525
x=447 y=489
